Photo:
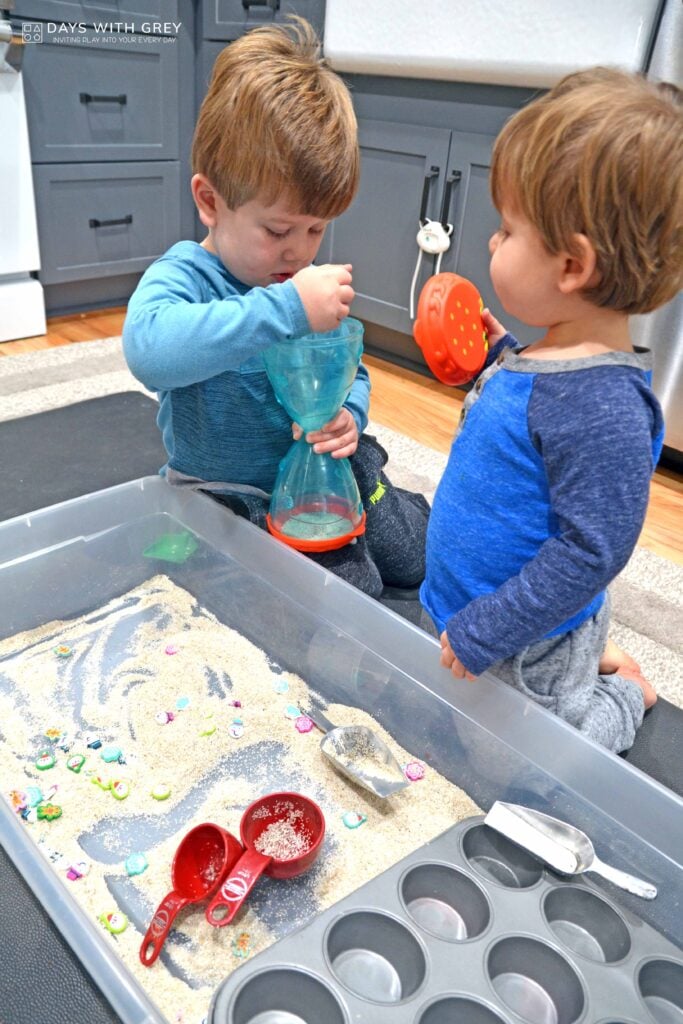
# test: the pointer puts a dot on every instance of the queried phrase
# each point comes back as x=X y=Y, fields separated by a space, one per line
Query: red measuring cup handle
x=160 y=927
x=236 y=887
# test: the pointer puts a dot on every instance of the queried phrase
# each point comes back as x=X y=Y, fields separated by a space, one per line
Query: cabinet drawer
x=100 y=101
x=228 y=19
x=89 y=11
x=101 y=220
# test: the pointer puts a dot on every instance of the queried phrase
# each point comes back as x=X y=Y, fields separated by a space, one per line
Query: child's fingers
x=493 y=326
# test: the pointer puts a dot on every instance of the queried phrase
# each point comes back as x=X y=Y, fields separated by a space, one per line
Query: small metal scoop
x=565 y=848
x=361 y=755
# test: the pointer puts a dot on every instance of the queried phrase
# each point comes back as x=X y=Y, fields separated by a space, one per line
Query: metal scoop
x=565 y=848
x=361 y=755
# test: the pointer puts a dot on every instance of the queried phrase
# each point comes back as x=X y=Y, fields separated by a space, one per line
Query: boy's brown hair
x=277 y=122
x=601 y=155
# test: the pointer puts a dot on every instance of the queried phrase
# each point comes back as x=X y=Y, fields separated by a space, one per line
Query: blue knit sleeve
x=177 y=332
x=598 y=432
x=358 y=401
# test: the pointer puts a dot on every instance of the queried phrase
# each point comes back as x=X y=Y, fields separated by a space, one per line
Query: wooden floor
x=405 y=401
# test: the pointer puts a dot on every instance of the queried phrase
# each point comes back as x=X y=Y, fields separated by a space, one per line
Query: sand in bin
x=118 y=684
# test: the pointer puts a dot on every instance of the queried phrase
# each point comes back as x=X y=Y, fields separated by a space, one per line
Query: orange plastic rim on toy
x=331 y=544
x=449 y=328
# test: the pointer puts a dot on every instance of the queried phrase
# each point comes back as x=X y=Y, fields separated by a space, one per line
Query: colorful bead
x=45 y=760
x=353 y=819
x=120 y=789
x=34 y=796
x=62 y=651
x=53 y=734
x=104 y=784
x=77 y=870
x=48 y=812
x=75 y=763
x=235 y=703
x=161 y=791
x=164 y=717
x=303 y=723
x=114 y=923
x=292 y=711
x=111 y=754
x=182 y=703
x=92 y=741
x=281 y=686
x=242 y=946
x=172 y=649
x=18 y=800
x=414 y=771
x=236 y=729
x=135 y=864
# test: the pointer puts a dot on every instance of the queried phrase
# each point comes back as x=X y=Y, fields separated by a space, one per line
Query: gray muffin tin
x=468 y=929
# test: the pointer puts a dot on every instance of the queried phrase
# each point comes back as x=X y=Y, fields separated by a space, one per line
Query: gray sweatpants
x=561 y=674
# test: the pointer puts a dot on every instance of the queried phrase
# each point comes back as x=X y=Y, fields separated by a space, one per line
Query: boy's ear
x=204 y=195
x=579 y=269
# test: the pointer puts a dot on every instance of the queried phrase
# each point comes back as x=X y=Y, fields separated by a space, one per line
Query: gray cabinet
x=229 y=19
x=102 y=220
x=428 y=155
x=102 y=102
x=87 y=11
x=107 y=118
x=377 y=233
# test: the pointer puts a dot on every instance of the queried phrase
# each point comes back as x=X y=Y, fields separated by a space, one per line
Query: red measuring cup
x=203 y=858
x=282 y=834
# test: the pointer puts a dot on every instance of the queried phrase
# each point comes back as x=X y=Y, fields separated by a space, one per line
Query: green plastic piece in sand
x=173 y=547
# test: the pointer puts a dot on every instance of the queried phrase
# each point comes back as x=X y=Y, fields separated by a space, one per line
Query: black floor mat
x=81 y=448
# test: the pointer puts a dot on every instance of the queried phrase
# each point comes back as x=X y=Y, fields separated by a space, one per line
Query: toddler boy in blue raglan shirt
x=547 y=483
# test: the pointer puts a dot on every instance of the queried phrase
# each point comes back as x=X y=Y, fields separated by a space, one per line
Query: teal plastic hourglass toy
x=315 y=504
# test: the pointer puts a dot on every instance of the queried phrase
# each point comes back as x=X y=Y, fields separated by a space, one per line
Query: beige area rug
x=647 y=598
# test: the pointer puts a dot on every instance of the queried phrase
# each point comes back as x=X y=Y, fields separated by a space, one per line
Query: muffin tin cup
x=467 y=928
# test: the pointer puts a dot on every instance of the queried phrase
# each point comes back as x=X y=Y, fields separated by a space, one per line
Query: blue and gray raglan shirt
x=195 y=335
x=542 y=499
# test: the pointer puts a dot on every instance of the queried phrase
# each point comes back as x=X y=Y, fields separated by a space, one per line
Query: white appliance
x=22 y=305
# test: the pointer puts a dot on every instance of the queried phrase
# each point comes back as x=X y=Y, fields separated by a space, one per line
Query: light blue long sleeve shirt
x=195 y=335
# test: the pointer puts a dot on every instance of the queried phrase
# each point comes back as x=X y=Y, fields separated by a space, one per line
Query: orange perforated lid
x=449 y=328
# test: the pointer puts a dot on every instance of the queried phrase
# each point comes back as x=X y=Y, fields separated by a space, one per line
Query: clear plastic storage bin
x=69 y=559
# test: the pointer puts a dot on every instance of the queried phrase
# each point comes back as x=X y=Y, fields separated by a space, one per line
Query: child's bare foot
x=614 y=660
x=649 y=692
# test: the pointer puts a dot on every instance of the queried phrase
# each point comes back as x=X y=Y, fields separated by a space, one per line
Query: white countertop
x=520 y=42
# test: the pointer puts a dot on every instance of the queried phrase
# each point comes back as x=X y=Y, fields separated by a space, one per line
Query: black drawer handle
x=95 y=223
x=273 y=4
x=87 y=97
x=431 y=173
x=452 y=179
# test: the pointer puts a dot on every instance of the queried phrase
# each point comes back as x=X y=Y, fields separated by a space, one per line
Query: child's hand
x=494 y=329
x=449 y=658
x=326 y=294
x=339 y=436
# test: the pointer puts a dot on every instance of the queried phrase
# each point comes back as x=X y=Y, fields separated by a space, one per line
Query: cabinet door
x=475 y=218
x=229 y=19
x=153 y=12
x=104 y=220
x=115 y=101
x=377 y=233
